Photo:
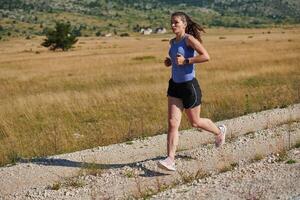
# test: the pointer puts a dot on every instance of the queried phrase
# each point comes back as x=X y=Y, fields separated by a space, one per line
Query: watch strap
x=186 y=61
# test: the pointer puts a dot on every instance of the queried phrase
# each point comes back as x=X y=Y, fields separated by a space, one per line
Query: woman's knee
x=201 y=122
x=174 y=123
x=196 y=123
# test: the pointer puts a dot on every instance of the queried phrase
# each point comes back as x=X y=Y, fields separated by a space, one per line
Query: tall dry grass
x=109 y=90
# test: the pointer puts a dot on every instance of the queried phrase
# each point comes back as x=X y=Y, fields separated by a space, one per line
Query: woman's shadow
x=86 y=165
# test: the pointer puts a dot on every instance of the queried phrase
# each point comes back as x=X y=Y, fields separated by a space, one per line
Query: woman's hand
x=180 y=59
x=168 y=62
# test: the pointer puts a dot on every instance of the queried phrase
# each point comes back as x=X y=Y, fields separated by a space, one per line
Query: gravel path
x=127 y=171
x=270 y=178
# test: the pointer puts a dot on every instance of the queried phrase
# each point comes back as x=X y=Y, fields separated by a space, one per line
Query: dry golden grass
x=108 y=90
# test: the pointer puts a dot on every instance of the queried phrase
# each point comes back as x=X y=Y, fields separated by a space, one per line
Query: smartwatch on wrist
x=186 y=61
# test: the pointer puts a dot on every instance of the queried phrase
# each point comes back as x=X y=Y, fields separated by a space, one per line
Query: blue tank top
x=181 y=73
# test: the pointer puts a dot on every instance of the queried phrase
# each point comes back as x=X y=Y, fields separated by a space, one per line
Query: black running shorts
x=189 y=92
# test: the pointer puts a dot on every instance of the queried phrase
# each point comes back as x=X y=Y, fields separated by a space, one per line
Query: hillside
x=90 y=17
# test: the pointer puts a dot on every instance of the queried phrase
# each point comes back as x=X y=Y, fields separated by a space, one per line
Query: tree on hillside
x=61 y=37
x=11 y=4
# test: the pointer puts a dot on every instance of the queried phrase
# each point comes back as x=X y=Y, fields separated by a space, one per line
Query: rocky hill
x=95 y=17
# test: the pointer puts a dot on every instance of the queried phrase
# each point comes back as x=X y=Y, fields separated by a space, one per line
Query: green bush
x=98 y=33
x=124 y=35
x=62 y=37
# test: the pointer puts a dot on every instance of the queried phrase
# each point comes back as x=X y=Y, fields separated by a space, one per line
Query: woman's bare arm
x=202 y=53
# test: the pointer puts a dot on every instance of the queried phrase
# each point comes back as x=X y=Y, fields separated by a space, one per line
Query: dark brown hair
x=192 y=27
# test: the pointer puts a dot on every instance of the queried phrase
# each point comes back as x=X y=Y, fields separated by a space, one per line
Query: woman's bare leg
x=193 y=115
x=175 y=109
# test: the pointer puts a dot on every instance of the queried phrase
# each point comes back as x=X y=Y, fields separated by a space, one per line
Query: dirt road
x=259 y=160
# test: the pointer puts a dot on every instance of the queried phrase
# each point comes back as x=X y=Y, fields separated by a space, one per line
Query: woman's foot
x=220 y=138
x=167 y=164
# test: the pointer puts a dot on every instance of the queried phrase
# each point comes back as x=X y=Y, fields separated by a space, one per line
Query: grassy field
x=108 y=90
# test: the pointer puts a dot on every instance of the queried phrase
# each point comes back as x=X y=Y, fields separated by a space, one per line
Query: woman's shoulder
x=190 y=40
x=189 y=37
x=172 y=41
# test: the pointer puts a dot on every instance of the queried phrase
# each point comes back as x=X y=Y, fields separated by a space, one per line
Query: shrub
x=124 y=34
x=98 y=33
x=291 y=161
x=76 y=31
x=61 y=37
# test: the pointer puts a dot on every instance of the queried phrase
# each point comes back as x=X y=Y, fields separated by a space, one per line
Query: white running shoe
x=167 y=164
x=220 y=139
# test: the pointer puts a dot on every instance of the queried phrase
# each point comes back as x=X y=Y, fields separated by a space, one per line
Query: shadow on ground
x=86 y=165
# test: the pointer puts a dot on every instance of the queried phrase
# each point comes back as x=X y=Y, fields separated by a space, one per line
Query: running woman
x=184 y=92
